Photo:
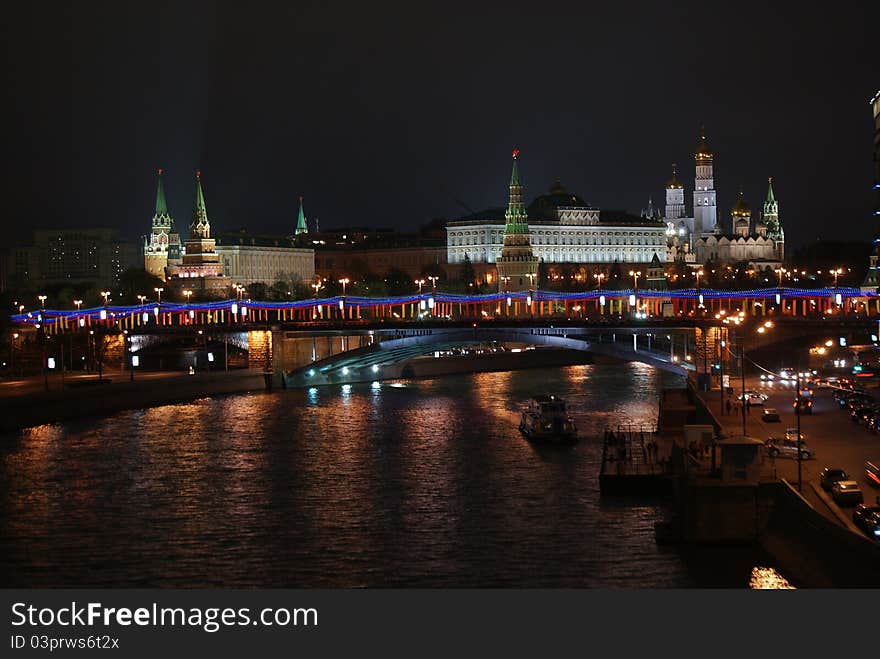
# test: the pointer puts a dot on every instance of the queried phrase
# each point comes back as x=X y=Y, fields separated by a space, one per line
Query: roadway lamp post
x=530 y=301
x=106 y=296
x=159 y=294
x=317 y=286
x=42 y=299
x=343 y=281
x=797 y=404
x=433 y=279
x=635 y=275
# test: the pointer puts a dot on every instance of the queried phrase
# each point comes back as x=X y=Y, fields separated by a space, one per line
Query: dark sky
x=385 y=114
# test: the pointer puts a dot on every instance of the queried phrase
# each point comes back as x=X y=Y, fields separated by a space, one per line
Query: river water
x=411 y=483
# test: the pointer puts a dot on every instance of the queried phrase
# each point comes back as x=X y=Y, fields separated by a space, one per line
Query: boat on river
x=546 y=419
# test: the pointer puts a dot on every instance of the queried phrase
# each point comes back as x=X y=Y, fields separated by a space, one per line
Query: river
x=410 y=483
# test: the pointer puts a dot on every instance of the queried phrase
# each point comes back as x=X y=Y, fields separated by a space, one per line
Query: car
x=867 y=518
x=872 y=474
x=770 y=414
x=787 y=448
x=792 y=433
x=753 y=397
x=858 y=414
x=847 y=493
x=806 y=406
x=830 y=475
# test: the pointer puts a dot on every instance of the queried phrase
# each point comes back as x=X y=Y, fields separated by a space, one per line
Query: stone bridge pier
x=287 y=351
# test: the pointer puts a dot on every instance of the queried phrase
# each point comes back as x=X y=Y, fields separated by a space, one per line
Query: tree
x=137 y=281
x=543 y=274
x=467 y=275
x=398 y=282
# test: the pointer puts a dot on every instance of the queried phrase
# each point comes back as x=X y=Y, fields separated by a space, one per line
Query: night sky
x=390 y=115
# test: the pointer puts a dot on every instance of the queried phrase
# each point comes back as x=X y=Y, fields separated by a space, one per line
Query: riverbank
x=27 y=405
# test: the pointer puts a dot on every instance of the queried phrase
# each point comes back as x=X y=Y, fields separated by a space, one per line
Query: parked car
x=872 y=474
x=770 y=414
x=830 y=475
x=847 y=493
x=792 y=433
x=787 y=448
x=867 y=518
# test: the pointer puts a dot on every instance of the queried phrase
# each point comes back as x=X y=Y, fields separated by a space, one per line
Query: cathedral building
x=703 y=238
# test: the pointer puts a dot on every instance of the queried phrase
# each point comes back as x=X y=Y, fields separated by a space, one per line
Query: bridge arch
x=384 y=359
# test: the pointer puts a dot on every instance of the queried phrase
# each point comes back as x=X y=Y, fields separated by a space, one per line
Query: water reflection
x=411 y=483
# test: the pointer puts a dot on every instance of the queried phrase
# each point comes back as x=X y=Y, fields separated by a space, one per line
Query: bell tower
x=705 y=204
x=517 y=266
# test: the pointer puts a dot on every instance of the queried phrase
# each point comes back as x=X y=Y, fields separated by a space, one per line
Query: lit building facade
x=562 y=228
x=703 y=238
x=57 y=256
x=249 y=259
x=872 y=280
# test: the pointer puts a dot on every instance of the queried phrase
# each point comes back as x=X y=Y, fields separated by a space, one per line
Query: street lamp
x=635 y=275
x=317 y=286
x=142 y=299
x=433 y=279
x=782 y=271
x=187 y=295
x=106 y=295
x=42 y=299
x=159 y=293
x=599 y=276
x=419 y=282
x=78 y=304
x=698 y=274
x=837 y=271
x=505 y=280
x=344 y=281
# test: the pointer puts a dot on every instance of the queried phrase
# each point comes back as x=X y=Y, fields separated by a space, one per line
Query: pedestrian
x=728 y=406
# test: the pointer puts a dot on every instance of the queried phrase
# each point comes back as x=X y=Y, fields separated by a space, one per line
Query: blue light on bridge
x=375 y=368
x=311 y=372
x=345 y=370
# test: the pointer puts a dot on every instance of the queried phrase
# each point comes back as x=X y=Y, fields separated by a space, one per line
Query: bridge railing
x=595 y=304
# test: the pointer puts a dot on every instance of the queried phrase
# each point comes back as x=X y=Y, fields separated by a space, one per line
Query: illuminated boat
x=546 y=419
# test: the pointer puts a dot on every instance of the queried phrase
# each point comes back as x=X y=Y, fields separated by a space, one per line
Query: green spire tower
x=770 y=218
x=515 y=218
x=200 y=227
x=157 y=243
x=517 y=266
x=301 y=226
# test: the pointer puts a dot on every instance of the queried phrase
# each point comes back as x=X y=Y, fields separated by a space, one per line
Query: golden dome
x=674 y=182
x=741 y=208
x=703 y=151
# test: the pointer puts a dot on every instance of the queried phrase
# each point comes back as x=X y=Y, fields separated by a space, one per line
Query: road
x=836 y=440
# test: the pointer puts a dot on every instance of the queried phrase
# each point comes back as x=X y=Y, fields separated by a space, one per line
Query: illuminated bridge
x=348 y=338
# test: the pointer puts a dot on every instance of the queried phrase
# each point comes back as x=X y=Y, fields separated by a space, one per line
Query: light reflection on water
x=418 y=483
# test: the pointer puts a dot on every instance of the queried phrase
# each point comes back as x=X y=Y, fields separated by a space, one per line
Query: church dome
x=544 y=207
x=742 y=222
x=703 y=151
x=674 y=182
x=741 y=208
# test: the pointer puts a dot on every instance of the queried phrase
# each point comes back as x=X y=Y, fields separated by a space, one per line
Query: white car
x=792 y=433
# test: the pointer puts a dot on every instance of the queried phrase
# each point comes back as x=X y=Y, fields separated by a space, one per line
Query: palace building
x=561 y=228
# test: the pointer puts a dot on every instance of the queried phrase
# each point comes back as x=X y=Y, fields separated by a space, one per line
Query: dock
x=634 y=462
